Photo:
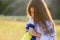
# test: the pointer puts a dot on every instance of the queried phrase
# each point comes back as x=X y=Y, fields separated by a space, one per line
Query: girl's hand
x=38 y=35
x=34 y=33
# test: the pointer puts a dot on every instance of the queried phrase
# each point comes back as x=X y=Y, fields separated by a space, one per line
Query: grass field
x=14 y=30
x=11 y=30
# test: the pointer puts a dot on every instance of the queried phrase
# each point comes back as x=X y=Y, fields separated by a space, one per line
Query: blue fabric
x=29 y=25
x=33 y=38
x=27 y=28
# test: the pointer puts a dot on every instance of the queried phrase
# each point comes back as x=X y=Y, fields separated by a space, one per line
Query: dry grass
x=13 y=30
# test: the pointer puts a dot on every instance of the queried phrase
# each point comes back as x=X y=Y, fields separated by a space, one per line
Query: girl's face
x=32 y=12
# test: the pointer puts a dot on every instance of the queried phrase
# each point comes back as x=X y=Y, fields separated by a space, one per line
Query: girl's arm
x=34 y=33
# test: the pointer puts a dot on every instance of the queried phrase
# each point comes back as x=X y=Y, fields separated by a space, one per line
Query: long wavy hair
x=41 y=12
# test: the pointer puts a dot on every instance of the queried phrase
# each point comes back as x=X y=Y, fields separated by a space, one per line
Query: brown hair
x=41 y=12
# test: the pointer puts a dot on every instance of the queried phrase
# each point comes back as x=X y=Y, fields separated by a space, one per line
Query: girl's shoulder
x=31 y=21
x=30 y=24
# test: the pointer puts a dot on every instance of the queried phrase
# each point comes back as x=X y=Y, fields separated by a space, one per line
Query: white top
x=43 y=35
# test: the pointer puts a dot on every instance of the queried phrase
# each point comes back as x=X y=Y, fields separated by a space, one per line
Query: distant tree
x=3 y=5
x=0 y=6
x=56 y=6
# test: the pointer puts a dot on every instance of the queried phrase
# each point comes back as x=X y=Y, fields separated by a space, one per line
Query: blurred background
x=13 y=18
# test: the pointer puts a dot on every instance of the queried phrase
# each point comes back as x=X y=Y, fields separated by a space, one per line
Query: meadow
x=14 y=30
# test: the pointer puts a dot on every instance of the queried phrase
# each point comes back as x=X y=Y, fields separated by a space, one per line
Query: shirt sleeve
x=53 y=33
x=29 y=25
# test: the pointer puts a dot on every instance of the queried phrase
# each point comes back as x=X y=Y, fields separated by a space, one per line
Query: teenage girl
x=40 y=24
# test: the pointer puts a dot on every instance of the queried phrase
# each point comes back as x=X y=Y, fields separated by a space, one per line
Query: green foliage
x=18 y=7
x=58 y=14
x=4 y=5
x=8 y=11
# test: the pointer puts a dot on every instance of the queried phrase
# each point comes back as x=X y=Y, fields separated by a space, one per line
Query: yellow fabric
x=27 y=36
